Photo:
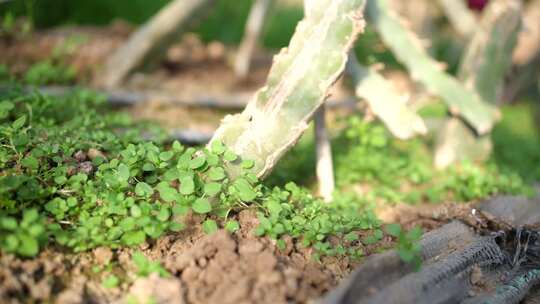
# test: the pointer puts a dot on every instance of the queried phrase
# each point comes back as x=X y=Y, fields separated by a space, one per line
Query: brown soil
x=426 y=215
x=92 y=45
x=217 y=268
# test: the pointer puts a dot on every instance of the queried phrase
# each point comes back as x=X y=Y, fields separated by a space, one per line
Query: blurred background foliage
x=516 y=139
x=224 y=23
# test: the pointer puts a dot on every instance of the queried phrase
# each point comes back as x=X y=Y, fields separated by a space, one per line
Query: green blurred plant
x=145 y=267
x=408 y=247
x=55 y=69
x=14 y=27
x=111 y=281
x=49 y=71
x=369 y=161
x=397 y=171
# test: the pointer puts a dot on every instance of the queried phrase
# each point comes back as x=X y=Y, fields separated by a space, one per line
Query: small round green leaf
x=177 y=146
x=248 y=164
x=245 y=190
x=30 y=162
x=29 y=246
x=197 y=162
x=165 y=156
x=217 y=147
x=230 y=156
x=111 y=281
x=232 y=226
x=212 y=188
x=8 y=223
x=166 y=192
x=187 y=185
x=210 y=226
x=176 y=226
x=134 y=238
x=143 y=189
x=123 y=172
x=135 y=211
x=202 y=206
x=216 y=173
x=164 y=214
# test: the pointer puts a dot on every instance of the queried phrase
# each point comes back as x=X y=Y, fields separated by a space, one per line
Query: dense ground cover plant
x=77 y=175
x=370 y=162
x=397 y=171
x=517 y=141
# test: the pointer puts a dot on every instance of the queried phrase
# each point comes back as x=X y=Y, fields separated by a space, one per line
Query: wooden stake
x=252 y=32
x=150 y=40
x=325 y=167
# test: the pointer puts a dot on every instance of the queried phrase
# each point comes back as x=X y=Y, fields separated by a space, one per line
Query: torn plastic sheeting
x=430 y=284
x=382 y=270
x=459 y=266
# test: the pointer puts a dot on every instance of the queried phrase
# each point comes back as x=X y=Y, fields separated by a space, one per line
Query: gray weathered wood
x=252 y=33
x=148 y=42
x=324 y=166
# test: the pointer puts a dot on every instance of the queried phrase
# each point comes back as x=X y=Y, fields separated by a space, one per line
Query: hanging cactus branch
x=384 y=101
x=462 y=19
x=526 y=56
x=488 y=56
x=487 y=60
x=456 y=142
x=297 y=85
x=409 y=50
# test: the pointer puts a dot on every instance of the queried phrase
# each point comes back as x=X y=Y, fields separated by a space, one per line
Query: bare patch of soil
x=429 y=216
x=91 y=46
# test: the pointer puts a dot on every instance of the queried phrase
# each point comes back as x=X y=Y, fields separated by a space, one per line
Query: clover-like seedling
x=209 y=226
x=111 y=281
x=145 y=267
x=408 y=248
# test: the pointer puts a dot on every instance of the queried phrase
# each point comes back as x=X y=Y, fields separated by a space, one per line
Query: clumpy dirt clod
x=221 y=269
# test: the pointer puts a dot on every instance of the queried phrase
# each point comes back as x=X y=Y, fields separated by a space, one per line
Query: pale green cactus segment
x=489 y=54
x=409 y=50
x=297 y=85
x=385 y=102
x=486 y=62
x=457 y=142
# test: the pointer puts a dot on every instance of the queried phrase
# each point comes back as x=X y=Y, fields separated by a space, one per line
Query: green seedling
x=145 y=267
x=408 y=248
